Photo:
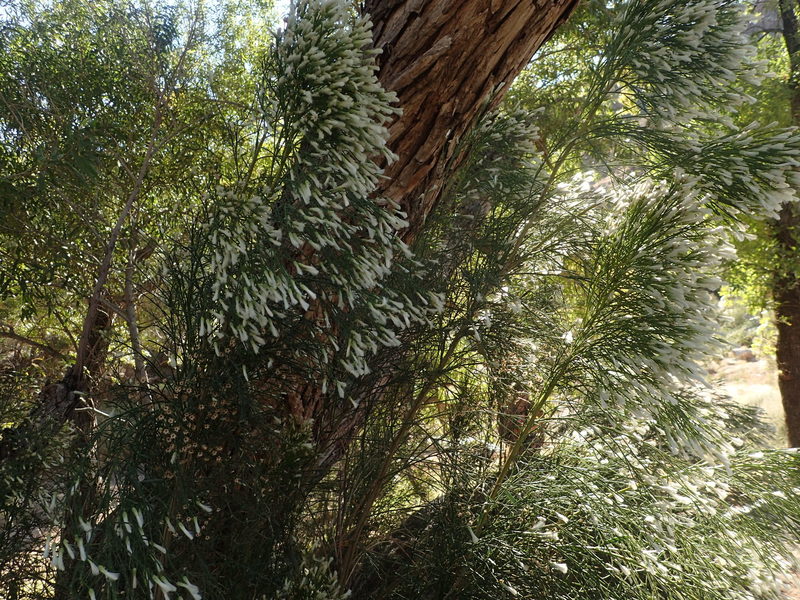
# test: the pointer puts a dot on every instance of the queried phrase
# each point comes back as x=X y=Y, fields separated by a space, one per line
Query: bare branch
x=9 y=333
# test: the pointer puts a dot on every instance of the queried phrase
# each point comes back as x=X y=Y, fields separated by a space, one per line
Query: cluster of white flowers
x=144 y=567
x=503 y=144
x=684 y=53
x=645 y=316
x=753 y=169
x=678 y=62
x=615 y=508
x=701 y=495
x=318 y=241
x=649 y=300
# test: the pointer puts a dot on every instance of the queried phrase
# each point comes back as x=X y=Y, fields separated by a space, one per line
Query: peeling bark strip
x=443 y=58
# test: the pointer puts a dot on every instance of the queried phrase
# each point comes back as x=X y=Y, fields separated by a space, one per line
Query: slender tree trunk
x=786 y=286
x=787 y=352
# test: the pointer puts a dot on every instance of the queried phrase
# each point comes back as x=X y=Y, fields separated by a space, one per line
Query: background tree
x=766 y=271
x=102 y=126
x=785 y=289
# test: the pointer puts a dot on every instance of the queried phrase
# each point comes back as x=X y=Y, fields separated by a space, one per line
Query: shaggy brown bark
x=444 y=59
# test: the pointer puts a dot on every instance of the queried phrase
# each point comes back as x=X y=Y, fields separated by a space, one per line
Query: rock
x=744 y=353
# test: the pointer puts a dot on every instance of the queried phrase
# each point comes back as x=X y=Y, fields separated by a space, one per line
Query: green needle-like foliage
x=297 y=404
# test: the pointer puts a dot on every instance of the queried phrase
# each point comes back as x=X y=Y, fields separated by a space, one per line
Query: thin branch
x=65 y=329
x=133 y=196
x=12 y=335
x=130 y=314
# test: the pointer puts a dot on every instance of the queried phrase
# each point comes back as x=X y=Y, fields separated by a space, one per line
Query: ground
x=755 y=383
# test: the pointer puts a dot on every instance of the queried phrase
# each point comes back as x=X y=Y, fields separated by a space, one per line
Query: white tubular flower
x=316 y=240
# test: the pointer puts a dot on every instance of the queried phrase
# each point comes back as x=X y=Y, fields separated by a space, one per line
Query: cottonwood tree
x=342 y=342
x=443 y=59
x=520 y=30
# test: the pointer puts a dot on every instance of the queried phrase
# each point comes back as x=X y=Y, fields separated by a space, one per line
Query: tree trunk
x=786 y=287
x=448 y=61
x=445 y=59
x=787 y=349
